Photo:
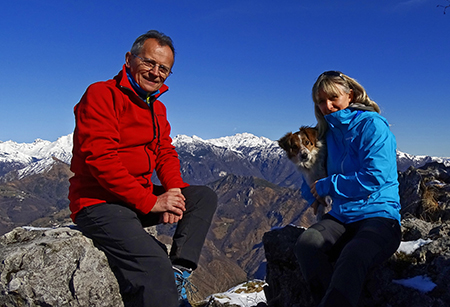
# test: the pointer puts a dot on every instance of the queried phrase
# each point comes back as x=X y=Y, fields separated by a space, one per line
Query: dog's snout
x=304 y=156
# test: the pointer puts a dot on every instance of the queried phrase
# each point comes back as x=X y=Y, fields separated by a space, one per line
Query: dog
x=308 y=153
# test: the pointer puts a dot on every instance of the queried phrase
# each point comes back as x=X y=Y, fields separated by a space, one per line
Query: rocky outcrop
x=60 y=267
x=286 y=286
x=425 y=192
x=54 y=267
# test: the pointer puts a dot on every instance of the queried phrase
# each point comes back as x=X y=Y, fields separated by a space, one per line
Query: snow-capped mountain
x=32 y=158
x=202 y=160
x=245 y=145
x=27 y=152
x=404 y=161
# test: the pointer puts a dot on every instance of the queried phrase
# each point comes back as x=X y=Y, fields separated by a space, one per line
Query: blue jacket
x=362 y=169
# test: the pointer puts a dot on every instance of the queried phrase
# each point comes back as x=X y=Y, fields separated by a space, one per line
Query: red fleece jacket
x=117 y=144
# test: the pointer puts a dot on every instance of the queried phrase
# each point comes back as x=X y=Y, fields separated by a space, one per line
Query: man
x=121 y=137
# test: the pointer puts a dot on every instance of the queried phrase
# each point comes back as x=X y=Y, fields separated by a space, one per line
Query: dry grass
x=430 y=206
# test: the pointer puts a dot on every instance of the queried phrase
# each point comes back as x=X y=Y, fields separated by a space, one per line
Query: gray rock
x=425 y=192
x=54 y=267
x=286 y=286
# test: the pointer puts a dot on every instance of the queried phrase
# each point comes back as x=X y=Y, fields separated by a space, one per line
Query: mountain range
x=203 y=161
x=258 y=190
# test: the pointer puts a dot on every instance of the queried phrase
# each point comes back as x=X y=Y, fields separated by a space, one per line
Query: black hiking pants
x=334 y=257
x=140 y=262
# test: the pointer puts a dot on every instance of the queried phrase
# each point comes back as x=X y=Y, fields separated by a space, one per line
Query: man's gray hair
x=162 y=39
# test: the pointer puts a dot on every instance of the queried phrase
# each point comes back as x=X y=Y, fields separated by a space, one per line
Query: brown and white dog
x=308 y=153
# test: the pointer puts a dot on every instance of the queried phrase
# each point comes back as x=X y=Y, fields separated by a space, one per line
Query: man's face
x=150 y=80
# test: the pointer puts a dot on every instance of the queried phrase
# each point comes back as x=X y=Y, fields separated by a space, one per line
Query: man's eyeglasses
x=333 y=73
x=150 y=64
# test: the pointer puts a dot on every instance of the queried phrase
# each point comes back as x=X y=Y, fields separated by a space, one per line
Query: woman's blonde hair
x=334 y=83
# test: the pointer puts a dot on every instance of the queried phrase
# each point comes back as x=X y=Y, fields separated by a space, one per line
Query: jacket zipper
x=344 y=141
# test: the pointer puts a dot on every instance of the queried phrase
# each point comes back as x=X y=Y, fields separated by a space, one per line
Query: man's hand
x=169 y=218
x=170 y=205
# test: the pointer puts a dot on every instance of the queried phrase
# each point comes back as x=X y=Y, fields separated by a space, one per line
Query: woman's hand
x=313 y=190
x=319 y=200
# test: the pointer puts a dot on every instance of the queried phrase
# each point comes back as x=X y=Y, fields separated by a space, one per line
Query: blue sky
x=241 y=66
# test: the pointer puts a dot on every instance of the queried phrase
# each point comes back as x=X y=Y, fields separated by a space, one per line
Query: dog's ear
x=284 y=140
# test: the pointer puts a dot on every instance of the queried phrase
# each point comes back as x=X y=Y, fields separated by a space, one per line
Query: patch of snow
x=31 y=228
x=408 y=247
x=242 y=295
x=421 y=283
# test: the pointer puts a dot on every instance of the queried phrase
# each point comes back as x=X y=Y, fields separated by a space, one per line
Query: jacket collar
x=341 y=118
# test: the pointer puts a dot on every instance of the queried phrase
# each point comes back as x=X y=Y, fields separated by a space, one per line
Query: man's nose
x=154 y=70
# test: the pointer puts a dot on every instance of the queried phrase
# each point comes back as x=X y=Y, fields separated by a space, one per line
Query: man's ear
x=128 y=57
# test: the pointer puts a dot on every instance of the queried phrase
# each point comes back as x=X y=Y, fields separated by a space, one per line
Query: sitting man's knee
x=209 y=194
x=201 y=199
x=210 y=198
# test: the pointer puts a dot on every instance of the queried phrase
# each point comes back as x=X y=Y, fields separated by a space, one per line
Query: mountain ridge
x=19 y=160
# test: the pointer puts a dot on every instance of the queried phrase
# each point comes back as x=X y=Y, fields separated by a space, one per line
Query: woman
x=362 y=228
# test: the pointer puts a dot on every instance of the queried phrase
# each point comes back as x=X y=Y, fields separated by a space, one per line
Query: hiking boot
x=184 y=286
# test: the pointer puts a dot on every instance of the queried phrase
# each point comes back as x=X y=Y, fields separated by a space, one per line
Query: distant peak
x=238 y=140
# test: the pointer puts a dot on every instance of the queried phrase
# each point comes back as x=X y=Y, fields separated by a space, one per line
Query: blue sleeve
x=306 y=193
x=376 y=160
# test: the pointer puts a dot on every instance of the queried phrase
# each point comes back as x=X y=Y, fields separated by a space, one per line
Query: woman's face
x=330 y=103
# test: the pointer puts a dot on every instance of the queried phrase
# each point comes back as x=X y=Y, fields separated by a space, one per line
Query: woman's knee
x=308 y=243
